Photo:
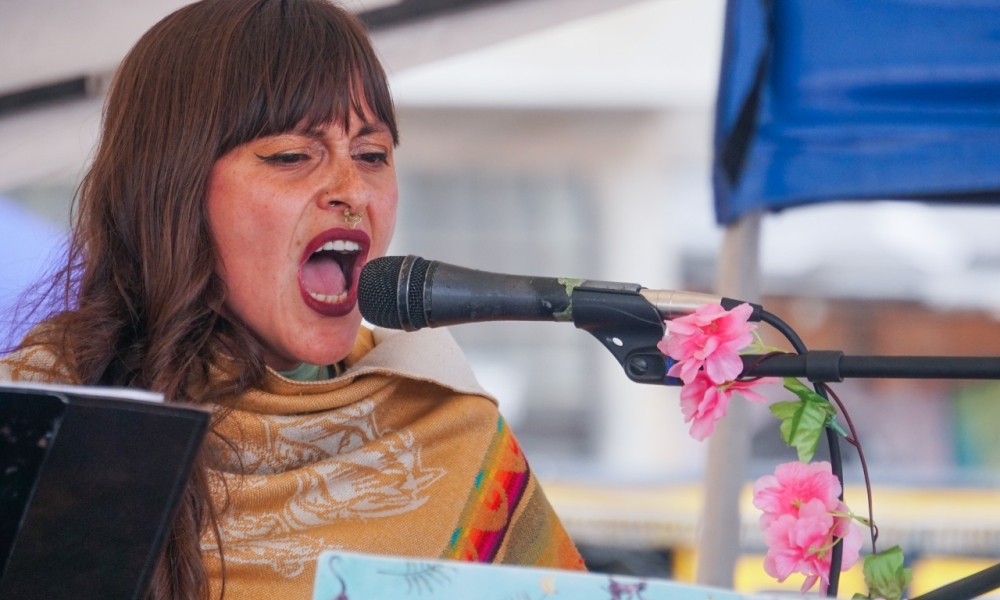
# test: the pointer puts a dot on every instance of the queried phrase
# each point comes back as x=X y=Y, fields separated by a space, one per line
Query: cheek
x=243 y=230
x=383 y=221
x=228 y=228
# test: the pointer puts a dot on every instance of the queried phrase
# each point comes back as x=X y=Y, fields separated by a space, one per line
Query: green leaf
x=885 y=575
x=802 y=422
x=800 y=389
x=785 y=410
x=860 y=596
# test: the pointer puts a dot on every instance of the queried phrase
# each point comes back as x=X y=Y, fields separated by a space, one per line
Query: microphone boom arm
x=626 y=323
x=829 y=366
x=626 y=319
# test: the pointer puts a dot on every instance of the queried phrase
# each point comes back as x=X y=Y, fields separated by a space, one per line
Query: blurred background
x=563 y=138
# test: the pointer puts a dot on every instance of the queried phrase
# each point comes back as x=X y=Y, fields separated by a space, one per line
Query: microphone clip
x=625 y=323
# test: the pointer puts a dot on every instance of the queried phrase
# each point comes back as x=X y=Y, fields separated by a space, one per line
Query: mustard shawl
x=403 y=454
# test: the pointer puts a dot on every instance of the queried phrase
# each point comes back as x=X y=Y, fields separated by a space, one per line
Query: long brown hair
x=143 y=301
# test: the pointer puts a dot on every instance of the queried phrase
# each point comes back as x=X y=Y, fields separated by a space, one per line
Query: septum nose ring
x=351 y=219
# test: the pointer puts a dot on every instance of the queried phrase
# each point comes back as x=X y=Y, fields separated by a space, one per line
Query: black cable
x=836 y=462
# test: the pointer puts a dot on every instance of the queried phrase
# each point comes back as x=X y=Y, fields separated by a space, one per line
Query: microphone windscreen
x=378 y=291
x=415 y=296
x=391 y=292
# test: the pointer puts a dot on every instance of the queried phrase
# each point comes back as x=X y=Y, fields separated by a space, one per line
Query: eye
x=284 y=158
x=374 y=158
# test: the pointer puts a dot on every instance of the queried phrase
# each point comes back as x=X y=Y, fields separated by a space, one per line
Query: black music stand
x=90 y=480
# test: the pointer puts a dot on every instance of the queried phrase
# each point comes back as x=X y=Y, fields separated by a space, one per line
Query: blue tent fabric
x=825 y=100
x=29 y=247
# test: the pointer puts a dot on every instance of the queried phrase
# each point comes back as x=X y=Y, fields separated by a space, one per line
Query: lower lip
x=330 y=310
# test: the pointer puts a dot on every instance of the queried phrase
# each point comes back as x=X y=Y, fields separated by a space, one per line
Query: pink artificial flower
x=745 y=388
x=703 y=402
x=804 y=544
x=853 y=538
x=799 y=544
x=711 y=337
x=803 y=517
x=793 y=485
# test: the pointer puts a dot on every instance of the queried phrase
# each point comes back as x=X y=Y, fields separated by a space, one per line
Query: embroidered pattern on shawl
x=33 y=364
x=340 y=464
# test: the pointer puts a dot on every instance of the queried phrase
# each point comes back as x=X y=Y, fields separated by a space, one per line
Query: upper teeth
x=340 y=246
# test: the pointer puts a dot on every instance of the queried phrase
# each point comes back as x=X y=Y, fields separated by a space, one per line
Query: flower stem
x=854 y=441
x=759 y=347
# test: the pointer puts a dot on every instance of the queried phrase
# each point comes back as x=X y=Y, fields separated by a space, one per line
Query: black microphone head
x=390 y=292
x=377 y=291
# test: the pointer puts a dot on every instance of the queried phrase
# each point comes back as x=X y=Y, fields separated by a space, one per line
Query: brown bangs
x=298 y=63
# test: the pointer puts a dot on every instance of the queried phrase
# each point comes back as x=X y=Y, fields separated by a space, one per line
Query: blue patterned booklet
x=348 y=576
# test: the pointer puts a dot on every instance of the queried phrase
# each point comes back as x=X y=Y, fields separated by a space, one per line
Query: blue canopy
x=29 y=246
x=857 y=99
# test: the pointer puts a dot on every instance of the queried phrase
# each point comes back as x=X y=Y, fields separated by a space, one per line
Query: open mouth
x=329 y=270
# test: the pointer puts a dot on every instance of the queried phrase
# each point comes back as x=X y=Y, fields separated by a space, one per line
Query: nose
x=345 y=188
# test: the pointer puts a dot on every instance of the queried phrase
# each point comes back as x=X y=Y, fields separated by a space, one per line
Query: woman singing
x=244 y=176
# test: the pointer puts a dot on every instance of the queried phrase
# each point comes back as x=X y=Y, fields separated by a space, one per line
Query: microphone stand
x=630 y=327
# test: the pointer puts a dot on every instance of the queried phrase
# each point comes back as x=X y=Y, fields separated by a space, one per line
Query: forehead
x=359 y=120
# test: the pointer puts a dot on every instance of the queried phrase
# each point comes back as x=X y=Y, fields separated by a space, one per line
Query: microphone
x=411 y=293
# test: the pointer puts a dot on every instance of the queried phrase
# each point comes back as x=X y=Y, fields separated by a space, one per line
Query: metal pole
x=738 y=276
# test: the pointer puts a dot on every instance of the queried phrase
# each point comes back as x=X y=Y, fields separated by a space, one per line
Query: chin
x=334 y=345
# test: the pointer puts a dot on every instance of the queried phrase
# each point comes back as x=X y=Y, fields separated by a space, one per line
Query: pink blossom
x=745 y=388
x=793 y=485
x=803 y=517
x=853 y=538
x=711 y=337
x=703 y=402
x=799 y=544
x=804 y=544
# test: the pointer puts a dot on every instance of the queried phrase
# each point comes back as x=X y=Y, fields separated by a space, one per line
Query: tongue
x=322 y=275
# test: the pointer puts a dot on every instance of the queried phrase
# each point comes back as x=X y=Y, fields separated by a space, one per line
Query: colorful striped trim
x=499 y=487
